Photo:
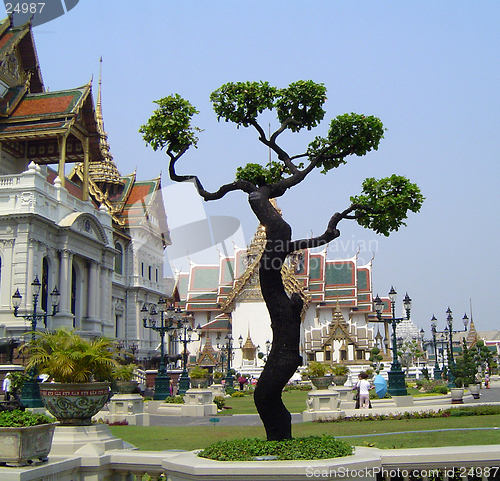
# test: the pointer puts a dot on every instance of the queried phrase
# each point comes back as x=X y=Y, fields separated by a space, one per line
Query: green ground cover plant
x=19 y=419
x=311 y=447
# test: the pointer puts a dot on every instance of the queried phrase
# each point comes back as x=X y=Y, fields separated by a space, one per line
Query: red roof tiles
x=44 y=105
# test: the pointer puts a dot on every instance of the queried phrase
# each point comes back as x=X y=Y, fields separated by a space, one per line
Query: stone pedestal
x=323 y=404
x=198 y=403
x=346 y=396
x=69 y=439
x=127 y=407
x=218 y=390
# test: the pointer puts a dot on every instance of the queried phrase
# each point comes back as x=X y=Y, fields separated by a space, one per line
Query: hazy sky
x=428 y=69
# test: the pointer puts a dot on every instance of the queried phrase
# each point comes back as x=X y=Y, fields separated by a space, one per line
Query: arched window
x=119 y=259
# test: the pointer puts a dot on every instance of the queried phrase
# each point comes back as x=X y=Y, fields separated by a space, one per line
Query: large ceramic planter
x=199 y=383
x=323 y=382
x=474 y=390
x=125 y=387
x=339 y=380
x=457 y=394
x=74 y=404
x=18 y=446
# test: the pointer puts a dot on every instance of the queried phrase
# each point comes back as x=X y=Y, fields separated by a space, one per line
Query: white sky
x=428 y=69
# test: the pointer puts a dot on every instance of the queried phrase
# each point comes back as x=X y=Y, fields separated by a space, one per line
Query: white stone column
x=106 y=297
x=64 y=317
x=93 y=292
x=7 y=287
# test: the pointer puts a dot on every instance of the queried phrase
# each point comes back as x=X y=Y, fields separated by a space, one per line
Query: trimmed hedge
x=311 y=447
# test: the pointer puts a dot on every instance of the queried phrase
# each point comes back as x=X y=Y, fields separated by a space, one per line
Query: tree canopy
x=382 y=205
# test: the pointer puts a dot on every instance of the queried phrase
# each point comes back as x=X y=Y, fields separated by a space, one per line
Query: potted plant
x=317 y=373
x=123 y=379
x=25 y=436
x=199 y=376
x=339 y=374
x=80 y=371
x=218 y=376
x=457 y=393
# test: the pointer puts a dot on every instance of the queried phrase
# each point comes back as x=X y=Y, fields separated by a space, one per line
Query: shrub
x=340 y=370
x=19 y=419
x=238 y=394
x=175 y=400
x=124 y=372
x=229 y=390
x=219 y=401
x=440 y=389
x=317 y=369
x=198 y=372
x=312 y=447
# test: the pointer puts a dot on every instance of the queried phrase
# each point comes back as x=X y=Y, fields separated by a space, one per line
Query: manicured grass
x=295 y=402
x=197 y=437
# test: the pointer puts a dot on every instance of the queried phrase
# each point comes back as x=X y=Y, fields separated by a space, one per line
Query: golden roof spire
x=104 y=172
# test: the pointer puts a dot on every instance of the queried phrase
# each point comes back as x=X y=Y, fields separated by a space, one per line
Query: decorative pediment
x=86 y=225
x=339 y=330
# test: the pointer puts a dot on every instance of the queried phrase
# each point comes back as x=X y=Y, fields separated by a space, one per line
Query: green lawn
x=196 y=437
x=295 y=402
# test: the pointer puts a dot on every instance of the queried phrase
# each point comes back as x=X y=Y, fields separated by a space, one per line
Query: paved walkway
x=381 y=406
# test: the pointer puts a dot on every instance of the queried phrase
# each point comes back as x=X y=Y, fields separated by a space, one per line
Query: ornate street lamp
x=451 y=360
x=437 y=371
x=169 y=321
x=185 y=338
x=31 y=390
x=396 y=375
x=133 y=346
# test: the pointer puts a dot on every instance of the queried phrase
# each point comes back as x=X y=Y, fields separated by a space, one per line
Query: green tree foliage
x=383 y=204
x=170 y=125
x=376 y=359
x=465 y=367
x=409 y=352
x=69 y=358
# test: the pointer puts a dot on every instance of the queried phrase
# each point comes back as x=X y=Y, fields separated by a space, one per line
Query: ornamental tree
x=382 y=205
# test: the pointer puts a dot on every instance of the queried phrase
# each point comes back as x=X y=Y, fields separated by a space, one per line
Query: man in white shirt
x=363 y=386
x=7 y=383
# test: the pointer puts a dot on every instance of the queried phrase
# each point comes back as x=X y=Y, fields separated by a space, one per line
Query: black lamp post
x=396 y=375
x=437 y=371
x=168 y=322
x=228 y=348
x=451 y=361
x=185 y=338
x=31 y=390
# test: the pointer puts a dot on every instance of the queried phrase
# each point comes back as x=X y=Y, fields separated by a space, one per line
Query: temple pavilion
x=68 y=217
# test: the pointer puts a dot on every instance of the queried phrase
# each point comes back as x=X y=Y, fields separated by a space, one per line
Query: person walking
x=6 y=386
x=363 y=387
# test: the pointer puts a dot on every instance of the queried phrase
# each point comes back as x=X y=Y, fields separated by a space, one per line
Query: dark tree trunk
x=284 y=311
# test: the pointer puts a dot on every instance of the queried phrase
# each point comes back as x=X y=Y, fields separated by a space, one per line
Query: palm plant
x=69 y=358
